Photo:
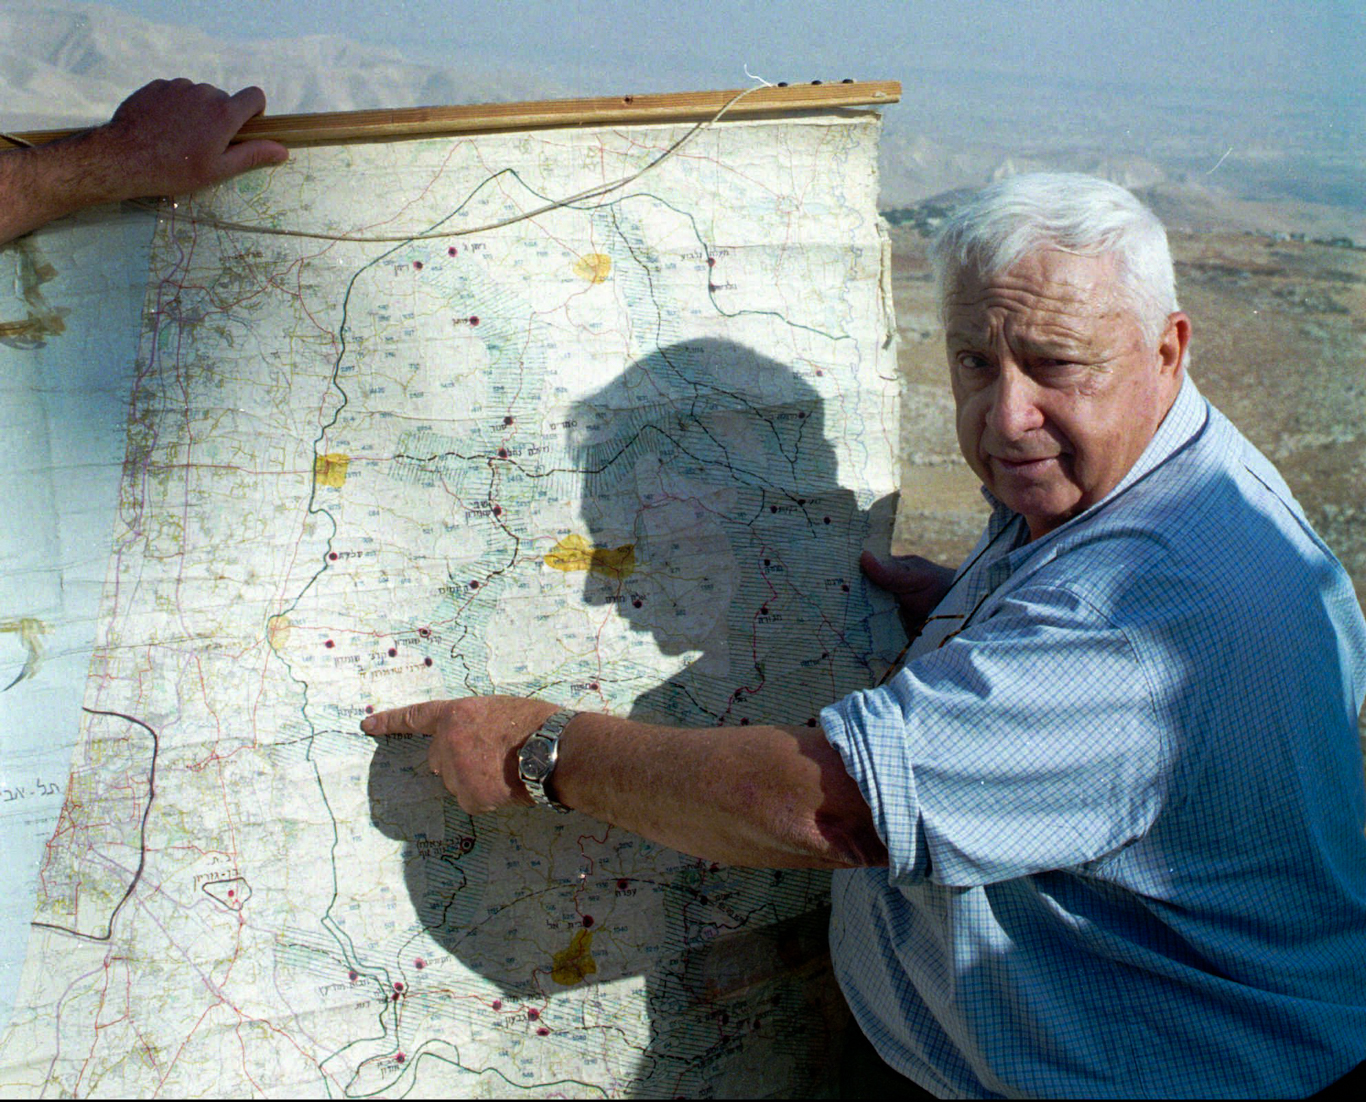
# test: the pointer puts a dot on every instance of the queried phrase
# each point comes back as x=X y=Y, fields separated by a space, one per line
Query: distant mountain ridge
x=68 y=64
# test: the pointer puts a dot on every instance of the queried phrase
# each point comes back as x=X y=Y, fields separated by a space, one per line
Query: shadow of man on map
x=722 y=536
x=713 y=522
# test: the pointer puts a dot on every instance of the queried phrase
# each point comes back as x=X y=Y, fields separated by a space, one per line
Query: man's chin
x=1040 y=505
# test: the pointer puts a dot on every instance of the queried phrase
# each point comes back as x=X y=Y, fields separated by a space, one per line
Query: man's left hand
x=474 y=744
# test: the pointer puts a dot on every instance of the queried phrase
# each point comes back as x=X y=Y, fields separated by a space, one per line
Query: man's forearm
x=773 y=797
x=50 y=181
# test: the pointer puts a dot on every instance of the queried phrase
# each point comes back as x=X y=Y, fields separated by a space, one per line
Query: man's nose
x=1014 y=408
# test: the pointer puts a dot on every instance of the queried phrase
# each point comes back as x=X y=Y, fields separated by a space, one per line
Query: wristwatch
x=538 y=755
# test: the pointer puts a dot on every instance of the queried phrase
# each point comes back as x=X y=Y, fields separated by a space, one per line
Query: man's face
x=1057 y=389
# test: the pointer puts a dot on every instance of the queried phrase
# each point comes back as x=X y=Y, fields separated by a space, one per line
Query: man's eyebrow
x=963 y=332
x=1059 y=342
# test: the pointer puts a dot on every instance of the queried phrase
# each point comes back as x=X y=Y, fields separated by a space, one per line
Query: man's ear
x=1176 y=339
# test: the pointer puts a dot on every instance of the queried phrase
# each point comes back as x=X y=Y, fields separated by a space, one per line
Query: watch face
x=535 y=759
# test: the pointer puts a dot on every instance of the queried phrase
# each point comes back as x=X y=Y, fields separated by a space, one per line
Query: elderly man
x=1103 y=833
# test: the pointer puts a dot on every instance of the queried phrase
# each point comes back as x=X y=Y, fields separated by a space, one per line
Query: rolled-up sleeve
x=1029 y=742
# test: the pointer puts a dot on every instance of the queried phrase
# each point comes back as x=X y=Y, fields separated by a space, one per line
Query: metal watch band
x=537 y=758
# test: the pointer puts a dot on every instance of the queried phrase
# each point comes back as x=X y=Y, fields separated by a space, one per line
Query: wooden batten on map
x=414 y=122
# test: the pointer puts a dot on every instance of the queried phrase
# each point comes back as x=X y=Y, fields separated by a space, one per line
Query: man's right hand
x=917 y=584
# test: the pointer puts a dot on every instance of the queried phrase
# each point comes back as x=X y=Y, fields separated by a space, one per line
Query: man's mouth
x=1024 y=466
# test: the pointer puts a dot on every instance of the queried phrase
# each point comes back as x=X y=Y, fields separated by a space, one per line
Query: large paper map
x=621 y=455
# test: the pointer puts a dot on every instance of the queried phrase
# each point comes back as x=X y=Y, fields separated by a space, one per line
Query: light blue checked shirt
x=1123 y=801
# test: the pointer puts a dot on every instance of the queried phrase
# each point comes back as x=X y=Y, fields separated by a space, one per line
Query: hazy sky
x=606 y=47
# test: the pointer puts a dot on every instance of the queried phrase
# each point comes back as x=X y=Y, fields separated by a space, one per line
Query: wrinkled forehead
x=1047 y=282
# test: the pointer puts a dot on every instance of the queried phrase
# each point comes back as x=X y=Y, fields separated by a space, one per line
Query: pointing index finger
x=415 y=719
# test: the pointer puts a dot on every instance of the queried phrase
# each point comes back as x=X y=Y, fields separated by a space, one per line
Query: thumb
x=888 y=576
x=253 y=154
x=905 y=575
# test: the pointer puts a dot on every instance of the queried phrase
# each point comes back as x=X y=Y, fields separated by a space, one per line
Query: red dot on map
x=231 y=893
x=845 y=587
x=507 y=420
x=332 y=555
x=474 y=319
x=541 y=1031
x=399 y=1058
x=811 y=722
x=637 y=603
x=497 y=510
x=711 y=262
x=353 y=976
x=819 y=372
x=801 y=414
x=369 y=709
x=394 y=998
x=532 y=1013
x=763 y=611
x=827 y=520
x=451 y=251
x=592 y=686
x=329 y=644
x=502 y=453
x=393 y=652
x=773 y=508
x=398 y=985
x=768 y=562
x=587 y=919
x=622 y=885
x=427 y=661
x=419 y=963
x=474 y=584
x=744 y=723
x=424 y=632
x=497 y=1004
x=417 y=265
x=711 y=286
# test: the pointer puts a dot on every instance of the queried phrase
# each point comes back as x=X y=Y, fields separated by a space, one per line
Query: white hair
x=1066 y=210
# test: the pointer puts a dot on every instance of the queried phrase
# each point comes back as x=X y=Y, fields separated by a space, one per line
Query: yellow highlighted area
x=574 y=964
x=28 y=630
x=576 y=553
x=277 y=631
x=594 y=267
x=330 y=469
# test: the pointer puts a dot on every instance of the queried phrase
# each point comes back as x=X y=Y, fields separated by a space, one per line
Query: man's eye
x=970 y=361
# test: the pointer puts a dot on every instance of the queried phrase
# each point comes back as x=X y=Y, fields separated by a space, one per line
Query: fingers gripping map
x=621 y=455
